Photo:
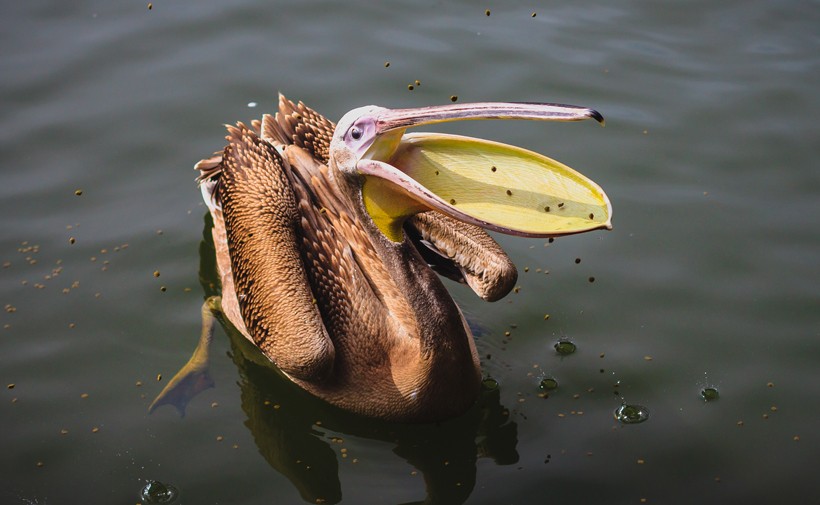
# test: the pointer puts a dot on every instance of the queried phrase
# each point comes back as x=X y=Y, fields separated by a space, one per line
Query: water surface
x=708 y=280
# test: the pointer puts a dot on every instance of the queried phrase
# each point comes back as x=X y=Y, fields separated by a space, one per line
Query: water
x=709 y=157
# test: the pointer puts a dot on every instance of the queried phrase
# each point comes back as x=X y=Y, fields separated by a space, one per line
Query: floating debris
x=631 y=414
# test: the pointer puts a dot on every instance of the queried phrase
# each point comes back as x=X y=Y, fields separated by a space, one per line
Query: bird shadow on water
x=292 y=429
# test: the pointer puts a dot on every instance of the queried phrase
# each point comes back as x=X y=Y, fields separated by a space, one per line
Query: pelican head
x=488 y=184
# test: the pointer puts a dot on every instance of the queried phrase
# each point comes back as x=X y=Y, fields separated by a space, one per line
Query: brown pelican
x=327 y=237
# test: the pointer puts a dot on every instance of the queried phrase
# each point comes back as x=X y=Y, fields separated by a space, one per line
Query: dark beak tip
x=597 y=116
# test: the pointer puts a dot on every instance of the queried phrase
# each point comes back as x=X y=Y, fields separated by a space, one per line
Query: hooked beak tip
x=597 y=116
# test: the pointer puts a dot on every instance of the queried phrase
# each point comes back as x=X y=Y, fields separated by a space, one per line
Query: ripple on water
x=631 y=414
x=489 y=384
x=549 y=384
x=155 y=491
x=565 y=347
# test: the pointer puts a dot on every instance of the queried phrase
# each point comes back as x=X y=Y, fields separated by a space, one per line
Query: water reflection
x=291 y=429
x=299 y=435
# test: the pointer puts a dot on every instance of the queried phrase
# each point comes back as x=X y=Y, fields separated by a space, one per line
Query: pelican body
x=329 y=238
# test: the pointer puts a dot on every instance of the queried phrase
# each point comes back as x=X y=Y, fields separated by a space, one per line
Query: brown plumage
x=350 y=316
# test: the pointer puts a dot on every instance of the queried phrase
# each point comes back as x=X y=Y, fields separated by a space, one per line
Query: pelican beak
x=489 y=184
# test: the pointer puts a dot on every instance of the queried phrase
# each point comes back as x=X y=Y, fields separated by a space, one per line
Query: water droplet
x=489 y=384
x=565 y=347
x=156 y=492
x=709 y=394
x=548 y=384
x=631 y=414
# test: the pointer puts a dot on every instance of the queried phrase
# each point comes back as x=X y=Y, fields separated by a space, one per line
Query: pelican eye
x=355 y=133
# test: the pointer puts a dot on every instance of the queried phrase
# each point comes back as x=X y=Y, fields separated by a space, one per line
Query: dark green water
x=710 y=277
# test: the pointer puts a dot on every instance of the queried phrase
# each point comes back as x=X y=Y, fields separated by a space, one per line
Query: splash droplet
x=489 y=384
x=155 y=491
x=565 y=347
x=631 y=414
